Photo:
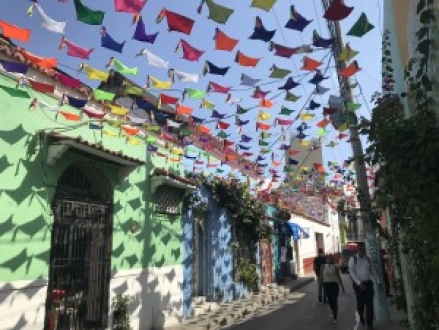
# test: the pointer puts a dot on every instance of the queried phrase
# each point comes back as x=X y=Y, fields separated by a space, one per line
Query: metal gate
x=80 y=264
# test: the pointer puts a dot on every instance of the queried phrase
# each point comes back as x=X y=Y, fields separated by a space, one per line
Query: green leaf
x=421 y=5
x=426 y=16
x=424 y=47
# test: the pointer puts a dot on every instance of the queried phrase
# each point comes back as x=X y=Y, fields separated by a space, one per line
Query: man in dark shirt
x=319 y=261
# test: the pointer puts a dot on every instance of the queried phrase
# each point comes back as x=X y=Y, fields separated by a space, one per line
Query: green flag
x=265 y=135
x=218 y=13
x=285 y=111
x=278 y=72
x=100 y=95
x=291 y=97
x=353 y=106
x=87 y=15
x=361 y=27
x=264 y=143
x=321 y=132
x=263 y=4
x=206 y=104
x=151 y=139
x=195 y=93
x=222 y=135
x=185 y=132
x=218 y=170
x=120 y=67
x=241 y=110
x=133 y=90
x=15 y=92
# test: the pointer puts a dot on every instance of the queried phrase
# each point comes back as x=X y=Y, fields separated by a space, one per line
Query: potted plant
x=121 y=317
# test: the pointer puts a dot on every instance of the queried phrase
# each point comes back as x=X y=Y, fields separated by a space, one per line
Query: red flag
x=42 y=87
x=176 y=22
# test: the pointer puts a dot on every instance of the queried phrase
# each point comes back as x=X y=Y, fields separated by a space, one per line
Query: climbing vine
x=247 y=216
x=406 y=150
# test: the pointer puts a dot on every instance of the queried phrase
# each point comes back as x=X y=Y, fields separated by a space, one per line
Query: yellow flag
x=177 y=151
x=152 y=128
x=155 y=83
x=305 y=143
x=95 y=74
x=343 y=127
x=304 y=168
x=264 y=115
x=306 y=116
x=134 y=141
x=117 y=110
x=110 y=133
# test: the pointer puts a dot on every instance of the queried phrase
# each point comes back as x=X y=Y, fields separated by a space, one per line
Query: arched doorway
x=80 y=260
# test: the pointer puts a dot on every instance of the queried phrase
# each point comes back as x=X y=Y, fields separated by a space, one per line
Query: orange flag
x=309 y=64
x=224 y=42
x=70 y=116
x=183 y=110
x=350 y=70
x=44 y=63
x=14 y=32
x=262 y=126
x=265 y=103
x=245 y=60
x=204 y=129
x=130 y=130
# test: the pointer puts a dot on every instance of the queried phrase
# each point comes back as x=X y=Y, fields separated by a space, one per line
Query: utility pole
x=365 y=224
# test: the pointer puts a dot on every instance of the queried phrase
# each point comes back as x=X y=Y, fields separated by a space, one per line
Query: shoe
x=335 y=321
x=362 y=320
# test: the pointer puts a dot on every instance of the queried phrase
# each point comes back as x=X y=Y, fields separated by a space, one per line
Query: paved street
x=302 y=311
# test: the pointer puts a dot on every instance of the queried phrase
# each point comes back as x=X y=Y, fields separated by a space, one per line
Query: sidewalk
x=226 y=314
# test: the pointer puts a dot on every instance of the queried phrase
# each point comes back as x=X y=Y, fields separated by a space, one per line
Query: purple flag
x=14 y=66
x=141 y=35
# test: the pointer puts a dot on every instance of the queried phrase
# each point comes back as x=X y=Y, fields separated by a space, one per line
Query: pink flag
x=75 y=50
x=217 y=88
x=284 y=121
x=190 y=53
x=129 y=6
x=67 y=81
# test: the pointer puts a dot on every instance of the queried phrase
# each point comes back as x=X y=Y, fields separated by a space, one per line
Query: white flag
x=154 y=60
x=44 y=106
x=49 y=23
x=187 y=77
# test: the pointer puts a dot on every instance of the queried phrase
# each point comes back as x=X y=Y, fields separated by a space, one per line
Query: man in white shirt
x=362 y=274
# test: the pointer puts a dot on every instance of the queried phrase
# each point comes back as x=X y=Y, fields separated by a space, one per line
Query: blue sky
x=240 y=26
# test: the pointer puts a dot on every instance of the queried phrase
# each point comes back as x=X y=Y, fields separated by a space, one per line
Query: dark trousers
x=331 y=290
x=320 y=289
x=365 y=300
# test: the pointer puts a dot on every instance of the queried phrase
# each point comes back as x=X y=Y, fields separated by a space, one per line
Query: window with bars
x=168 y=200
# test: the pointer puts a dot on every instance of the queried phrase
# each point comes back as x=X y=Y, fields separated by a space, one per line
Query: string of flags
x=274 y=115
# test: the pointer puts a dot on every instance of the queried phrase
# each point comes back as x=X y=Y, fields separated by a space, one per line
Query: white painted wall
x=155 y=291
x=308 y=246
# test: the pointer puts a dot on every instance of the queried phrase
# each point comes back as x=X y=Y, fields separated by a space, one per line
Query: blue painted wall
x=219 y=256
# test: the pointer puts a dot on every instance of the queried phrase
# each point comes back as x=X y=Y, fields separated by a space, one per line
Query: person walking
x=332 y=282
x=362 y=274
x=317 y=266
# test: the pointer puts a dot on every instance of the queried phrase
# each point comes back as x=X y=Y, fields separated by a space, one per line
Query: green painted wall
x=27 y=186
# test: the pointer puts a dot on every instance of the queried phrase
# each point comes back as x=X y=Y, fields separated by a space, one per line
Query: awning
x=296 y=231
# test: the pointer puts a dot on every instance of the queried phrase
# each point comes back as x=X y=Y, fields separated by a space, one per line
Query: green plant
x=406 y=151
x=248 y=274
x=121 y=317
